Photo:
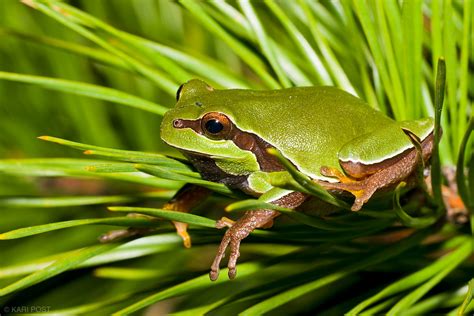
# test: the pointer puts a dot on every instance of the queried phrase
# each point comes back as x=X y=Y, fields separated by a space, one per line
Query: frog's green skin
x=311 y=126
x=328 y=134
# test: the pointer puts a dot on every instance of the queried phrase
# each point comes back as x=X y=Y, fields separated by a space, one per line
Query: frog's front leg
x=184 y=200
x=188 y=197
x=235 y=234
x=243 y=227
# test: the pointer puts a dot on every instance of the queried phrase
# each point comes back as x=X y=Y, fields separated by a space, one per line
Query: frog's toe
x=224 y=222
x=115 y=235
x=214 y=273
x=361 y=197
x=231 y=239
x=182 y=230
x=357 y=205
x=235 y=234
x=332 y=173
x=234 y=255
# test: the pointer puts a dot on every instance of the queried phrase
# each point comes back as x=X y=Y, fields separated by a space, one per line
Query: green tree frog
x=333 y=137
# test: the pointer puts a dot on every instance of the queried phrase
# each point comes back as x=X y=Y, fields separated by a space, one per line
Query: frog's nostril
x=178 y=123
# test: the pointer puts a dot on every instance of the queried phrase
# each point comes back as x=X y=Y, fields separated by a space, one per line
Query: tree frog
x=333 y=137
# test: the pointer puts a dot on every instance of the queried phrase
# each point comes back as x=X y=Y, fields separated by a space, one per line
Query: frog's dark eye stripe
x=216 y=125
x=178 y=93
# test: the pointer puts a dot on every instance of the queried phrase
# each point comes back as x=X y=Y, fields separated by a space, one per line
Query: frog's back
x=309 y=125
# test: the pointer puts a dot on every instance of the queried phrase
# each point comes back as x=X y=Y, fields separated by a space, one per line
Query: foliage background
x=383 y=51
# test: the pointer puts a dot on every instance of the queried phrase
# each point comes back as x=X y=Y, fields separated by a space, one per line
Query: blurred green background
x=28 y=112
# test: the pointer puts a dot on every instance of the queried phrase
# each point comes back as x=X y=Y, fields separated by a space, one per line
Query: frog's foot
x=361 y=197
x=181 y=228
x=185 y=199
x=361 y=190
x=389 y=175
x=234 y=235
x=358 y=188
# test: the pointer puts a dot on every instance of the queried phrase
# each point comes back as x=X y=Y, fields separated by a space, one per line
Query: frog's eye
x=178 y=93
x=216 y=125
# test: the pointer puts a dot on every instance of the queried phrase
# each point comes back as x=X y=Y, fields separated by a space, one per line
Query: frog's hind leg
x=364 y=189
x=388 y=175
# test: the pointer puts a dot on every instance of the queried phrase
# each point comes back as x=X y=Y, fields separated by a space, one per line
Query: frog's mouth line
x=244 y=140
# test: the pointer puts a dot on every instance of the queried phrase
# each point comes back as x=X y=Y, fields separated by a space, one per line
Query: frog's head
x=202 y=125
